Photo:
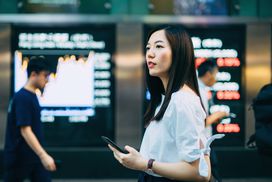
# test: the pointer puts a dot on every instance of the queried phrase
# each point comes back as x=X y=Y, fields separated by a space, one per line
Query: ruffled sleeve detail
x=203 y=167
x=190 y=138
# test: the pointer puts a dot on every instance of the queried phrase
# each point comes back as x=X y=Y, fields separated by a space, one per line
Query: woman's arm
x=180 y=170
x=177 y=171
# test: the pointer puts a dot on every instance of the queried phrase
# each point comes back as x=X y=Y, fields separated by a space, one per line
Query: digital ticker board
x=78 y=101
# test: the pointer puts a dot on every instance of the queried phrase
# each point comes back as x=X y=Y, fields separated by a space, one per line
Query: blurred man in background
x=207 y=78
x=24 y=156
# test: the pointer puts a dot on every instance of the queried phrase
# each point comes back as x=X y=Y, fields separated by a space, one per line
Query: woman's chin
x=153 y=73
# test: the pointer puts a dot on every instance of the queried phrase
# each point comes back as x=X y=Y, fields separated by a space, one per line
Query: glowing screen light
x=78 y=100
x=71 y=86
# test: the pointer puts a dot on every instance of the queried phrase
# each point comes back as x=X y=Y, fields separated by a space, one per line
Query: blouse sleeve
x=190 y=138
x=188 y=133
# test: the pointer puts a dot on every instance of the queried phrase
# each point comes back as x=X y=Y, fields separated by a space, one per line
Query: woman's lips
x=151 y=64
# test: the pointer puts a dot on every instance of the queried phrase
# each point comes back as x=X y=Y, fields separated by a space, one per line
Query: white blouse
x=177 y=136
x=203 y=90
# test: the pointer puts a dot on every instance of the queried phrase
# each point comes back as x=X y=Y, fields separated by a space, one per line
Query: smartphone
x=114 y=145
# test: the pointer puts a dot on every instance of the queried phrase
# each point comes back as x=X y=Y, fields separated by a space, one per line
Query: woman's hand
x=132 y=160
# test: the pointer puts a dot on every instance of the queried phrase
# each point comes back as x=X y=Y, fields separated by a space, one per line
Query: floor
x=134 y=180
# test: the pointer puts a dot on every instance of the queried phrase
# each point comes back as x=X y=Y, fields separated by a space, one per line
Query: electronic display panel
x=77 y=102
x=226 y=45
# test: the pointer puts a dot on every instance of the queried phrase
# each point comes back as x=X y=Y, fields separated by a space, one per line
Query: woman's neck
x=164 y=82
x=186 y=88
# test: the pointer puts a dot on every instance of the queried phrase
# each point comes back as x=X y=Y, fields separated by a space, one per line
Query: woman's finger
x=130 y=149
x=116 y=157
x=113 y=149
x=116 y=153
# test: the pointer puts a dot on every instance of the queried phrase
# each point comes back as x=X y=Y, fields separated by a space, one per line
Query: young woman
x=174 y=147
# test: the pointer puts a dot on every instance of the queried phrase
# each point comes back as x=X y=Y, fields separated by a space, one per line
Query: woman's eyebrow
x=158 y=41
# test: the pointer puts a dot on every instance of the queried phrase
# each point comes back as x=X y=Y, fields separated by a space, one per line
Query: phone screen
x=108 y=141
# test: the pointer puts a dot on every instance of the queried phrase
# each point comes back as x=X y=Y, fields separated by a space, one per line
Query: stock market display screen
x=226 y=45
x=78 y=100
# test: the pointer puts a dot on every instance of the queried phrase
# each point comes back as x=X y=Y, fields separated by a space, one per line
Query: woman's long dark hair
x=182 y=71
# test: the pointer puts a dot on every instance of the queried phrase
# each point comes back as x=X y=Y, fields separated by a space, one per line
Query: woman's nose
x=150 y=54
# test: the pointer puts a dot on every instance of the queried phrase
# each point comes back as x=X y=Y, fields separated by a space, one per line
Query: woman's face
x=158 y=55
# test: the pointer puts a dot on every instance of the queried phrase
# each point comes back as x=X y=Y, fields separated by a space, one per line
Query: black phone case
x=114 y=145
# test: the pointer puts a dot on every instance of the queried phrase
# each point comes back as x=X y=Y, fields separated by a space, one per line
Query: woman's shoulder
x=184 y=100
x=188 y=103
x=185 y=96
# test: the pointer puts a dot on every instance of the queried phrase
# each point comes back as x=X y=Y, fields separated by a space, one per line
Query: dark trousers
x=35 y=173
x=144 y=177
x=214 y=167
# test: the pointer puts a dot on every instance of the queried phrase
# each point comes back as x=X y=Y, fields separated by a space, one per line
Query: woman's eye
x=147 y=48
x=159 y=46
